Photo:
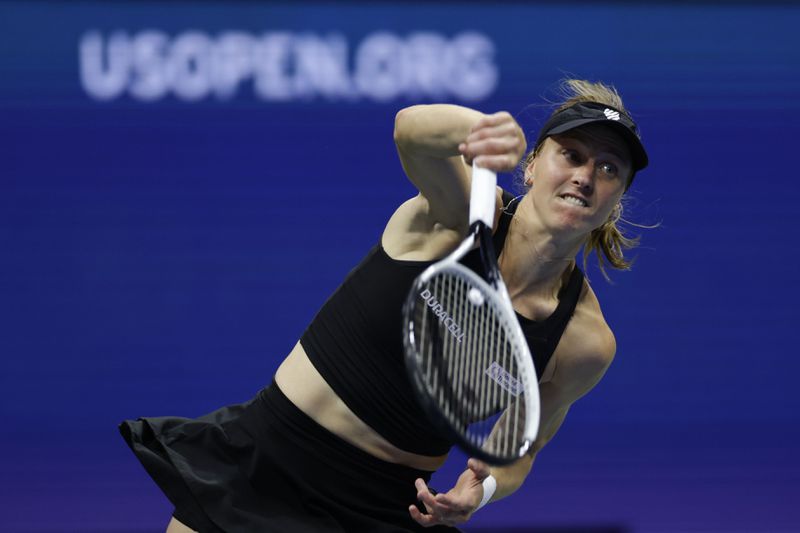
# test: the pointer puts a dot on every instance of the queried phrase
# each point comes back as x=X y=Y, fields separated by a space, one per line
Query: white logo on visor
x=611 y=114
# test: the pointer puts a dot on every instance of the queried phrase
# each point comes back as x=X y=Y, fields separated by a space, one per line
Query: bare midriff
x=305 y=387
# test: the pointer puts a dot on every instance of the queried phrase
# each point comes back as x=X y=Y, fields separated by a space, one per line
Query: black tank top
x=355 y=342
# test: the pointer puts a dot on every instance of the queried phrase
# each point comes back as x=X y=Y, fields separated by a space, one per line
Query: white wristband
x=489 y=486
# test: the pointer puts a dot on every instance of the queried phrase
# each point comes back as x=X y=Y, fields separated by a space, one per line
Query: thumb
x=480 y=468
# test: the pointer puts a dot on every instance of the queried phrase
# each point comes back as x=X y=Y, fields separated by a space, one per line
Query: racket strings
x=468 y=362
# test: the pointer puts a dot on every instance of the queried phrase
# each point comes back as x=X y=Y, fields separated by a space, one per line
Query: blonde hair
x=608 y=241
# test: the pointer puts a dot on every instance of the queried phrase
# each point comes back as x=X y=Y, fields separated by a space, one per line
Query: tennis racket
x=465 y=353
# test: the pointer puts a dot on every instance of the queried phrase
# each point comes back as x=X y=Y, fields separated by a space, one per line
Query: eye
x=571 y=155
x=609 y=169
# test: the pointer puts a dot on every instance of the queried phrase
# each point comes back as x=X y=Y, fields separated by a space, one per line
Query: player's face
x=579 y=176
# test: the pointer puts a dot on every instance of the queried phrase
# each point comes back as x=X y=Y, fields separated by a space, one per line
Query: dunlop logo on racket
x=508 y=382
x=440 y=313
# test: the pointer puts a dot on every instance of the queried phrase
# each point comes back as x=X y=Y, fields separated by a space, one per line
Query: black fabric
x=542 y=336
x=265 y=466
x=355 y=342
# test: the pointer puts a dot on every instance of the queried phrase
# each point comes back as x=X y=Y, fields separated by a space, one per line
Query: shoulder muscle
x=588 y=349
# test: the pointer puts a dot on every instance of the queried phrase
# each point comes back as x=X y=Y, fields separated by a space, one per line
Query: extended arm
x=576 y=376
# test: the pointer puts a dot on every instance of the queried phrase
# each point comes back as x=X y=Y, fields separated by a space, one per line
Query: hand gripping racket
x=465 y=353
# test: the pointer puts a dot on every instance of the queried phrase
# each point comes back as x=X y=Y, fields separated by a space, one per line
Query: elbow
x=404 y=125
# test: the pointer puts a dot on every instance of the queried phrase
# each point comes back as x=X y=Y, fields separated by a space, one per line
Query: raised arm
x=427 y=139
x=431 y=140
x=437 y=145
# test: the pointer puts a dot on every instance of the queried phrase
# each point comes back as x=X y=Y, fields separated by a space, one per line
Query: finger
x=494 y=119
x=428 y=500
x=425 y=496
x=454 y=508
x=495 y=134
x=497 y=163
x=481 y=469
x=499 y=130
x=445 y=503
x=424 y=520
x=434 y=516
x=494 y=146
x=512 y=156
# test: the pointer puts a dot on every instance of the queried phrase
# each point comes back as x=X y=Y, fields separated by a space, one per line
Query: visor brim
x=639 y=157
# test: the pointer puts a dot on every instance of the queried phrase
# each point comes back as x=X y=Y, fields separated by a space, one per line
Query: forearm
x=510 y=478
x=433 y=130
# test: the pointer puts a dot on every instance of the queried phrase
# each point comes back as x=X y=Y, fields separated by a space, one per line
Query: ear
x=529 y=172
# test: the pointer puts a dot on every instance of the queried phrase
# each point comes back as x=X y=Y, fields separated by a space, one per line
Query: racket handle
x=482 y=198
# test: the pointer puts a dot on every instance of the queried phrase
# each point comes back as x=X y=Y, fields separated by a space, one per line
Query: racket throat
x=488 y=256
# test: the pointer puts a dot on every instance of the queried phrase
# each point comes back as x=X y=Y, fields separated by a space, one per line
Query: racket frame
x=495 y=290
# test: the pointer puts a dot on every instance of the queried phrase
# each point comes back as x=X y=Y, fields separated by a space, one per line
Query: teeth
x=573 y=200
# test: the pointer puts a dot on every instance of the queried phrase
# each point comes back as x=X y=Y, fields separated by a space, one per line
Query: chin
x=575 y=221
x=570 y=226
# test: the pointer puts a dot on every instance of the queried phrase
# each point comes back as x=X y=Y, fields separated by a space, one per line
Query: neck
x=534 y=259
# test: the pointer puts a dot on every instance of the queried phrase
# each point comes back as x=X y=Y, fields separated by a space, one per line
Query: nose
x=583 y=178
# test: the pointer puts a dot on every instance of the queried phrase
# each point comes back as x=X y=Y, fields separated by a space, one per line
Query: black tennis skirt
x=265 y=466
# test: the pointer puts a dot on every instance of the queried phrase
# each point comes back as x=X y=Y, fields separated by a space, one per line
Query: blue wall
x=168 y=226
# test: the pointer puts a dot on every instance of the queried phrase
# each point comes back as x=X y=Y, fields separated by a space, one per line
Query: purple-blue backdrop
x=182 y=184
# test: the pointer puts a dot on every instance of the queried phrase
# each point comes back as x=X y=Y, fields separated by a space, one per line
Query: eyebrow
x=601 y=146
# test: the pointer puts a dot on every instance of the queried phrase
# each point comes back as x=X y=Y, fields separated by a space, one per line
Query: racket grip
x=482 y=198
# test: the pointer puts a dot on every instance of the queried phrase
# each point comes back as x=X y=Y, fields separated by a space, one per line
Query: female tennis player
x=338 y=442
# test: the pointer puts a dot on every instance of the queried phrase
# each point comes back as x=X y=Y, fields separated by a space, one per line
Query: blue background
x=162 y=257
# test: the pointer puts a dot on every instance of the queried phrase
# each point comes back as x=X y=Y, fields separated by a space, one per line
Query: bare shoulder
x=587 y=346
x=415 y=233
x=593 y=336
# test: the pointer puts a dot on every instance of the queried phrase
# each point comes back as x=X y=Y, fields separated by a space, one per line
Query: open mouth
x=574 y=200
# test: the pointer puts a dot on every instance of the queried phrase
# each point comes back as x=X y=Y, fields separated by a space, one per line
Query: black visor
x=584 y=113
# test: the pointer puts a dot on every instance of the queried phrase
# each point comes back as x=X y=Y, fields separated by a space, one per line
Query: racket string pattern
x=467 y=361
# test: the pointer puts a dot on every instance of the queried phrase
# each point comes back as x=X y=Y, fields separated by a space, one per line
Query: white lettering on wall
x=282 y=66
